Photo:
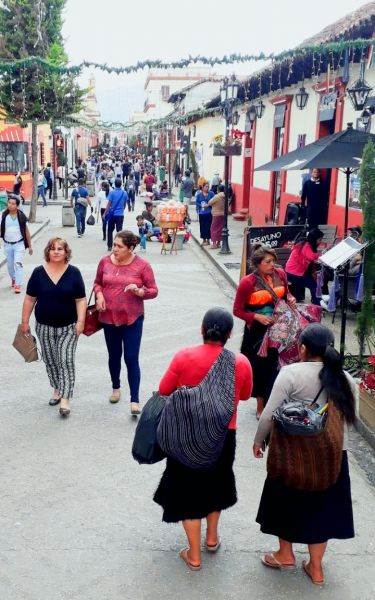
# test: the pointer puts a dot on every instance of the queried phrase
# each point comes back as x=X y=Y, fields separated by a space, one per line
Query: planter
x=229 y=150
x=367 y=408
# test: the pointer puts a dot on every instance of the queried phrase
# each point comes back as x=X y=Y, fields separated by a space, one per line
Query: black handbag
x=146 y=449
x=91 y=219
x=295 y=418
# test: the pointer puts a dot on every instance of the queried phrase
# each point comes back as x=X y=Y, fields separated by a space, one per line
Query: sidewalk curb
x=32 y=235
x=214 y=262
x=365 y=431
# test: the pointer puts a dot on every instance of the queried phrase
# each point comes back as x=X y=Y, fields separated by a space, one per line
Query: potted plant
x=367 y=393
x=230 y=146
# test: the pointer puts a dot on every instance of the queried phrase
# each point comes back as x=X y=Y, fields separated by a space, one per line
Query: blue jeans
x=125 y=338
x=112 y=223
x=15 y=254
x=305 y=281
x=80 y=213
x=42 y=193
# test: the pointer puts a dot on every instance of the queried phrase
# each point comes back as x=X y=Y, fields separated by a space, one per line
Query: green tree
x=31 y=94
x=366 y=318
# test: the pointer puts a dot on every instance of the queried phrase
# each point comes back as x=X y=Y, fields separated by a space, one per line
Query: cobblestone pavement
x=77 y=520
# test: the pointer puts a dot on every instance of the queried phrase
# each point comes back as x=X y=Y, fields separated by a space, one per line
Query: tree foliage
x=366 y=318
x=34 y=28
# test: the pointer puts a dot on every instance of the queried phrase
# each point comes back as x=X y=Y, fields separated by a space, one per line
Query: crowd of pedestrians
x=189 y=493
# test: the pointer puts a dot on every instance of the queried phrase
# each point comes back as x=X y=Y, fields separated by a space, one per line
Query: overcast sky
x=120 y=33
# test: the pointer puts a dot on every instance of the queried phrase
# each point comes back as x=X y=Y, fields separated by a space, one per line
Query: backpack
x=195 y=420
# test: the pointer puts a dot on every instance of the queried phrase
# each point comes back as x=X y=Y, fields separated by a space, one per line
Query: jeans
x=49 y=187
x=112 y=223
x=104 y=224
x=42 y=193
x=131 y=200
x=125 y=338
x=80 y=213
x=303 y=281
x=15 y=254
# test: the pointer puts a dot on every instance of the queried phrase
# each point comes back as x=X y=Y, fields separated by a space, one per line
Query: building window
x=165 y=93
x=14 y=157
x=42 y=156
x=194 y=130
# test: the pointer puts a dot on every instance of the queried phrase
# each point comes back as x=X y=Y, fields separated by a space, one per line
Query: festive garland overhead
x=330 y=47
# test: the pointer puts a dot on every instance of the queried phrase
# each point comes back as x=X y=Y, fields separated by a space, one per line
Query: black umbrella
x=342 y=150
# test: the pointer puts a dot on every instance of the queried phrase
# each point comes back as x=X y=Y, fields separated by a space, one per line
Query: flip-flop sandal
x=274 y=563
x=214 y=548
x=185 y=558
x=314 y=581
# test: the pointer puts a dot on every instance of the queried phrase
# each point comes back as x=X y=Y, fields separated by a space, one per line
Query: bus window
x=14 y=157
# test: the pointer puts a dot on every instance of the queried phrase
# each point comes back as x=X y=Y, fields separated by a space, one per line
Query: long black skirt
x=265 y=370
x=186 y=493
x=205 y=226
x=308 y=517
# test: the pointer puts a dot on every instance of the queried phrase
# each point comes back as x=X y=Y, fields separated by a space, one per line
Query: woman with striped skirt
x=57 y=292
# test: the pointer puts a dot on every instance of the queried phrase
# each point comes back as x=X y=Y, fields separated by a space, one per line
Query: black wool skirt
x=186 y=493
x=205 y=226
x=308 y=517
x=265 y=370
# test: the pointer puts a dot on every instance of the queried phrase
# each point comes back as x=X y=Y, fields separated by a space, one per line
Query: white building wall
x=237 y=161
x=206 y=129
x=263 y=145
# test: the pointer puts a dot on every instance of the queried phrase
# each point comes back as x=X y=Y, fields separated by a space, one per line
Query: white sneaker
x=325 y=297
x=324 y=305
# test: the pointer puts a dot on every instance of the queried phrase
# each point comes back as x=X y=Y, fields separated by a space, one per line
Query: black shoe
x=54 y=401
x=64 y=412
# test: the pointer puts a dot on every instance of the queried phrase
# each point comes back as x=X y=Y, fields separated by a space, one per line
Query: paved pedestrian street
x=77 y=520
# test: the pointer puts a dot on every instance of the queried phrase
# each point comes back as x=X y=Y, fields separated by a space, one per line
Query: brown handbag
x=92 y=323
x=25 y=344
x=310 y=463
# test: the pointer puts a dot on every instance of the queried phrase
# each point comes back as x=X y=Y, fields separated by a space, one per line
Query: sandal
x=184 y=556
x=135 y=408
x=314 y=581
x=214 y=548
x=269 y=560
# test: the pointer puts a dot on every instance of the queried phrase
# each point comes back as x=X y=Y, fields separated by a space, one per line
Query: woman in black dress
x=299 y=516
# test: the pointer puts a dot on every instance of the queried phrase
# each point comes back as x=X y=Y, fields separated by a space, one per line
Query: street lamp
x=359 y=91
x=259 y=109
x=169 y=128
x=252 y=114
x=366 y=117
x=228 y=97
x=301 y=98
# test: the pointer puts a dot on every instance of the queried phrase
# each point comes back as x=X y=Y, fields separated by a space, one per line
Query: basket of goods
x=170 y=215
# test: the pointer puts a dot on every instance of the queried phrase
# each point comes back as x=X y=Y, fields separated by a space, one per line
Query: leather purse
x=92 y=323
x=25 y=344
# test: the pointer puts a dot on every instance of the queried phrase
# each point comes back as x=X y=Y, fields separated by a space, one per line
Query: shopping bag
x=146 y=449
x=25 y=344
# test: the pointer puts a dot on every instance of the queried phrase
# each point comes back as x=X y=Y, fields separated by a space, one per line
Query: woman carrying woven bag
x=316 y=513
x=191 y=494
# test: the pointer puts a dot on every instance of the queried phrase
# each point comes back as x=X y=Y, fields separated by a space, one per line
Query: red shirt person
x=123 y=281
x=188 y=494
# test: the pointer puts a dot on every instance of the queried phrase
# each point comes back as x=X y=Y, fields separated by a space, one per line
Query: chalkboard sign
x=275 y=236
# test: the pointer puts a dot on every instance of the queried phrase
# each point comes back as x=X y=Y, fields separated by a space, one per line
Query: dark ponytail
x=318 y=341
x=336 y=384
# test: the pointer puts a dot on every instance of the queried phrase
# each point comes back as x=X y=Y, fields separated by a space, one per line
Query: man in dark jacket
x=315 y=197
x=48 y=174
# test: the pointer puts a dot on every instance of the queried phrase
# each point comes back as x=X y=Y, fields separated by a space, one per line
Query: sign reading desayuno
x=276 y=236
x=327 y=106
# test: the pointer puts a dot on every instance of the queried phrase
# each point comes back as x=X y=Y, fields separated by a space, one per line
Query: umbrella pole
x=344 y=295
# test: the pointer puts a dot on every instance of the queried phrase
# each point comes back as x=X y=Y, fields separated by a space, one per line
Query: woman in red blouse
x=186 y=494
x=123 y=281
x=255 y=306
